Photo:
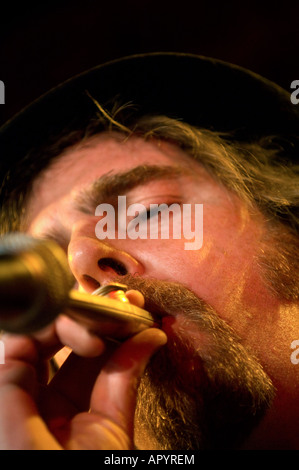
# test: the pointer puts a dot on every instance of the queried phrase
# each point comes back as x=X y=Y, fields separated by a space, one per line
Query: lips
x=175 y=308
x=148 y=288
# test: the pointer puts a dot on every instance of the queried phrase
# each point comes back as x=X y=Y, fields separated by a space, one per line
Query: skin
x=224 y=273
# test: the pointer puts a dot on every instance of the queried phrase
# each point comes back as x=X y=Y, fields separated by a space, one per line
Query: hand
x=89 y=404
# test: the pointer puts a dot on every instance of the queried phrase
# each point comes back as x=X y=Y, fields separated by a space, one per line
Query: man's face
x=223 y=275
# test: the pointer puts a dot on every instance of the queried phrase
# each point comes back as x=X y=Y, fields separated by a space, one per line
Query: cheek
x=218 y=272
x=168 y=260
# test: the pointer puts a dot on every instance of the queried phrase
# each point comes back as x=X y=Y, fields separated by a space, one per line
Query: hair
x=255 y=171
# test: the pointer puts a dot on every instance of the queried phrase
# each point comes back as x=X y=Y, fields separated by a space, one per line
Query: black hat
x=201 y=91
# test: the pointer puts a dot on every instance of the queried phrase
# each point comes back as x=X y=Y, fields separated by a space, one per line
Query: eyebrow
x=111 y=185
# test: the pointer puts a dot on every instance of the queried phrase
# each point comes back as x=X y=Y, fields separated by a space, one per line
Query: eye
x=148 y=214
x=157 y=210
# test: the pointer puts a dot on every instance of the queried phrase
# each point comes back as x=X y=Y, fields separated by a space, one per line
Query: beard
x=204 y=389
x=279 y=262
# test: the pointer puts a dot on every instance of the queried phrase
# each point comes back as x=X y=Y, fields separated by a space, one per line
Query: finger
x=47 y=341
x=19 y=347
x=35 y=349
x=22 y=358
x=21 y=428
x=135 y=297
x=20 y=425
x=78 y=338
x=42 y=344
x=77 y=375
x=114 y=393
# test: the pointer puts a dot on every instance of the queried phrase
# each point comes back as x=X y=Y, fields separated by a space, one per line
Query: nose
x=94 y=262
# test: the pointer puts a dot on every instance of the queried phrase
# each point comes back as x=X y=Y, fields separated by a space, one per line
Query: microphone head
x=35 y=281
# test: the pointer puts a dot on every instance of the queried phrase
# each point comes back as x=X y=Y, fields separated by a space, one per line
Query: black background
x=45 y=43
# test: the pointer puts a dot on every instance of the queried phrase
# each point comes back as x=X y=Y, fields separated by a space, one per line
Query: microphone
x=36 y=286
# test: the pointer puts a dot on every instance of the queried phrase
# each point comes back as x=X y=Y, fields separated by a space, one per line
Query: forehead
x=106 y=153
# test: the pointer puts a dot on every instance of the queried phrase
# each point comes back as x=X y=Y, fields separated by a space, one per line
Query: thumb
x=115 y=390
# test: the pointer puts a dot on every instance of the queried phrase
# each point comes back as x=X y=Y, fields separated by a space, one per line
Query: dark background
x=45 y=43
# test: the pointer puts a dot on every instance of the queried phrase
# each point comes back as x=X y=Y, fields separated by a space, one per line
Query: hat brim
x=204 y=92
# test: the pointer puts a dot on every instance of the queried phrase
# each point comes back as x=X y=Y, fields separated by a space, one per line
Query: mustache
x=198 y=319
x=205 y=365
x=201 y=334
x=165 y=298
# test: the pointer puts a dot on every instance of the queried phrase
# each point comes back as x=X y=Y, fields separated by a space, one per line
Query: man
x=218 y=374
